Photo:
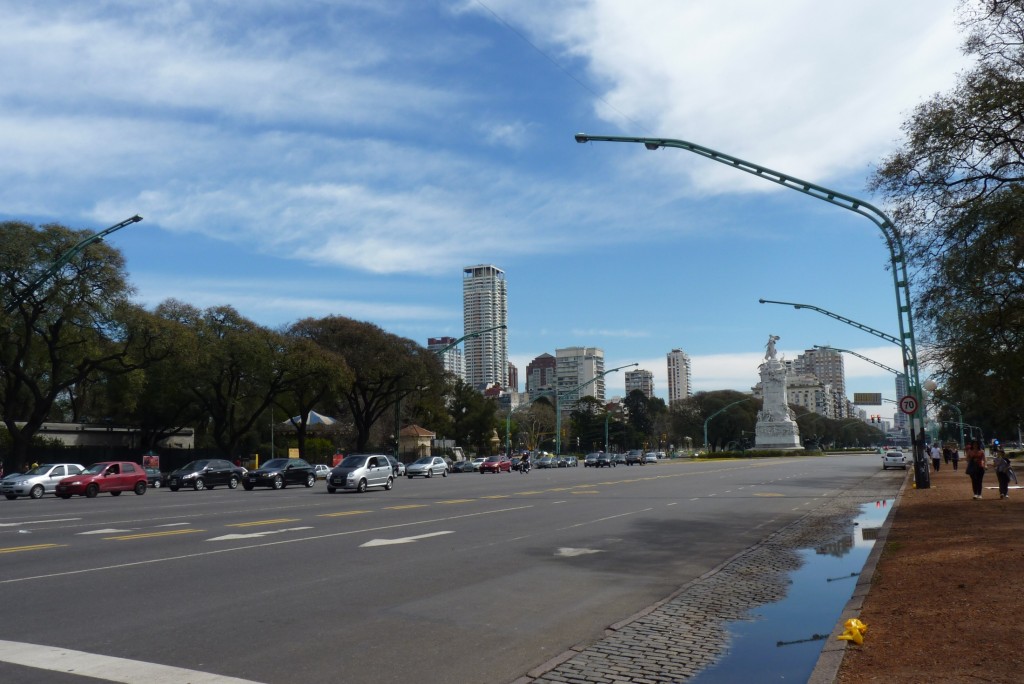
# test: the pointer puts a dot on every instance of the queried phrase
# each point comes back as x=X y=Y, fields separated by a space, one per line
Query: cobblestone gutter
x=675 y=639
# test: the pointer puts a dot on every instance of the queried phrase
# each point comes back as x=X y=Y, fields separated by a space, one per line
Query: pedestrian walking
x=947 y=453
x=1003 y=473
x=955 y=457
x=975 y=466
x=936 y=457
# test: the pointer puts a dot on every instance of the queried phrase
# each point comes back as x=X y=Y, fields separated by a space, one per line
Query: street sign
x=867 y=398
x=908 y=405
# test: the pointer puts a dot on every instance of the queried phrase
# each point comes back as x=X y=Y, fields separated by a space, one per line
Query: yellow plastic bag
x=853 y=631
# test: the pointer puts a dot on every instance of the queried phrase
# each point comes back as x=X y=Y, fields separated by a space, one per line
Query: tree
x=75 y=330
x=537 y=422
x=587 y=421
x=385 y=368
x=955 y=188
x=474 y=417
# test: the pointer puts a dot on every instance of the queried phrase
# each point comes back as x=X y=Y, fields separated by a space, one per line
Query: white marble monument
x=775 y=427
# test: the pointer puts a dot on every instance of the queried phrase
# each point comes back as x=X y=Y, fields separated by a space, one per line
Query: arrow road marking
x=403 y=540
x=569 y=552
x=106 y=531
x=256 y=535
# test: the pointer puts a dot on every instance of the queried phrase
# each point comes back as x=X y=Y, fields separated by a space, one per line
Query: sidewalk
x=942 y=602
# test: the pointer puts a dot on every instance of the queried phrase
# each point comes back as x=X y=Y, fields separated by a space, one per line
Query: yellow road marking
x=525 y=493
x=586 y=491
x=455 y=501
x=335 y=515
x=495 y=496
x=405 y=507
x=146 y=535
x=34 y=547
x=768 y=494
x=263 y=522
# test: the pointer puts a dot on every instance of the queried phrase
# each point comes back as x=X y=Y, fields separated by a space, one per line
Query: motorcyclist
x=524 y=462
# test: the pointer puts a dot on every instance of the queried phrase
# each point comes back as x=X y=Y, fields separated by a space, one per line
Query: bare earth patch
x=944 y=604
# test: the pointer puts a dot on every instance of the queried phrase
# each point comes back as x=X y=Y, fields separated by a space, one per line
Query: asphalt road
x=469 y=578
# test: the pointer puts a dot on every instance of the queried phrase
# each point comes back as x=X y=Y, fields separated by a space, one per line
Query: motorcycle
x=524 y=467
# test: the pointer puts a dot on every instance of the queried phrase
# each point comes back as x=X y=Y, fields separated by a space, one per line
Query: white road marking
x=38 y=522
x=256 y=535
x=568 y=552
x=403 y=540
x=106 y=531
x=105 y=668
x=173 y=524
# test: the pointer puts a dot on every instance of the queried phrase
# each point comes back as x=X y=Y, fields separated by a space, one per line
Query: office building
x=485 y=306
x=642 y=380
x=451 y=358
x=679 y=382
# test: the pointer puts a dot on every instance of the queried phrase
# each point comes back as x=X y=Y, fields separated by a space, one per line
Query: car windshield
x=95 y=469
x=352 y=462
x=426 y=460
x=40 y=470
x=275 y=463
x=194 y=465
x=494 y=459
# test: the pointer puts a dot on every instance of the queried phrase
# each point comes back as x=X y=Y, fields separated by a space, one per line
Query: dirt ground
x=945 y=602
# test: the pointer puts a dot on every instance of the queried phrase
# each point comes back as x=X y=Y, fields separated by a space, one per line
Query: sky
x=350 y=157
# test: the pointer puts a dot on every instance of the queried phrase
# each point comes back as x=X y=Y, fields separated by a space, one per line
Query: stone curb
x=827 y=668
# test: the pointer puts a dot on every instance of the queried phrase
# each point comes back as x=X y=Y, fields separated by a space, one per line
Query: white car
x=477 y=462
x=38 y=481
x=651 y=457
x=894 y=459
x=321 y=471
x=428 y=466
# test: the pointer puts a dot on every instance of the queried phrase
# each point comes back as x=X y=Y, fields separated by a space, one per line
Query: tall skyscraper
x=484 y=306
x=679 y=383
x=642 y=380
x=575 y=366
x=450 y=359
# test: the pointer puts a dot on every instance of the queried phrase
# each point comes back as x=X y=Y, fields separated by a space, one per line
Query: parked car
x=618 y=459
x=321 y=470
x=107 y=476
x=154 y=478
x=38 y=481
x=463 y=467
x=397 y=467
x=278 y=473
x=428 y=466
x=496 y=464
x=360 y=471
x=894 y=459
x=651 y=457
x=206 y=474
x=591 y=459
x=604 y=461
x=634 y=457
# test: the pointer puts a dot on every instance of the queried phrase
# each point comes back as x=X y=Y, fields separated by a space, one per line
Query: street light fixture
x=558 y=403
x=893 y=240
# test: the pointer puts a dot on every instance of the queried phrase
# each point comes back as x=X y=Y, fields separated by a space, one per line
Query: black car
x=154 y=478
x=604 y=460
x=464 y=466
x=278 y=473
x=206 y=474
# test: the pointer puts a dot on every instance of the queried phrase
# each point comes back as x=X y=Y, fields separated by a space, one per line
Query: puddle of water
x=782 y=641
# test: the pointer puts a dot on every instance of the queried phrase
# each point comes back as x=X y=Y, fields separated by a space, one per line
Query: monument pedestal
x=775 y=429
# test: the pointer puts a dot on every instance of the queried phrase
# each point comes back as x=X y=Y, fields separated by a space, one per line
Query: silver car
x=360 y=471
x=38 y=481
x=428 y=466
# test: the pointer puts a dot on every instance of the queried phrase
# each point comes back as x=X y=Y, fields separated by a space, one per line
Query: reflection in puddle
x=782 y=641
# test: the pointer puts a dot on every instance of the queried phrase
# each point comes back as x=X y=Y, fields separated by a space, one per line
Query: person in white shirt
x=936 y=454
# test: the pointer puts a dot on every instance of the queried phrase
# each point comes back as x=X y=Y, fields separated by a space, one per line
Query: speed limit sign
x=908 y=405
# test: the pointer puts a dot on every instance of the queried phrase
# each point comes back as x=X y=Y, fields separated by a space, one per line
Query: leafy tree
x=587 y=422
x=75 y=330
x=690 y=414
x=474 y=417
x=537 y=421
x=956 y=193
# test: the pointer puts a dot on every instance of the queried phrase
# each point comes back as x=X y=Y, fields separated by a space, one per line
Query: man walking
x=936 y=457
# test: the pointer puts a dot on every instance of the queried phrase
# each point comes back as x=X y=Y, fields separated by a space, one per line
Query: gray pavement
x=676 y=639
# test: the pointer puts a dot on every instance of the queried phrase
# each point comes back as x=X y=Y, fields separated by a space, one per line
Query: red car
x=109 y=476
x=495 y=464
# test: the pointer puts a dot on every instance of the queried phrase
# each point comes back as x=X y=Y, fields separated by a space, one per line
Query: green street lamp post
x=558 y=403
x=727 y=406
x=893 y=239
x=931 y=386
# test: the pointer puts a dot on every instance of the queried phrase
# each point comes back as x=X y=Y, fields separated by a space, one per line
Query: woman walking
x=975 y=466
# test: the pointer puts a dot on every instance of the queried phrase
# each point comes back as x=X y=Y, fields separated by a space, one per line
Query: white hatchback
x=894 y=459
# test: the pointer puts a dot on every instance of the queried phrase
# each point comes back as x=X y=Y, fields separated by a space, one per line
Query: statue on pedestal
x=775 y=427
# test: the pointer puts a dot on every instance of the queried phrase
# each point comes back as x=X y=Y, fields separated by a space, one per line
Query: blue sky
x=298 y=159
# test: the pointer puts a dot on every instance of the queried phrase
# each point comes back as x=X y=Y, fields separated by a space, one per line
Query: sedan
x=496 y=464
x=604 y=460
x=38 y=481
x=206 y=473
x=591 y=460
x=650 y=457
x=546 y=462
x=428 y=466
x=278 y=473
x=321 y=471
x=154 y=478
x=463 y=467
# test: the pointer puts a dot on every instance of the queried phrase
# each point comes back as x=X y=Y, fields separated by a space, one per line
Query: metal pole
x=893 y=240
x=558 y=407
x=715 y=414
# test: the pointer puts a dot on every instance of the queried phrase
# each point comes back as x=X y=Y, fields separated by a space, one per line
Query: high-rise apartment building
x=575 y=366
x=540 y=375
x=513 y=377
x=451 y=358
x=679 y=383
x=642 y=380
x=827 y=366
x=484 y=306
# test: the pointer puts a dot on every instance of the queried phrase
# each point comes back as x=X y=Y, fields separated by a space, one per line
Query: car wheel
x=330 y=489
x=430 y=472
x=278 y=482
x=115 y=493
x=361 y=487
x=199 y=484
x=310 y=480
x=156 y=484
x=389 y=484
x=233 y=483
x=91 y=491
x=247 y=487
x=11 y=497
x=140 y=488
x=36 y=492
x=173 y=488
